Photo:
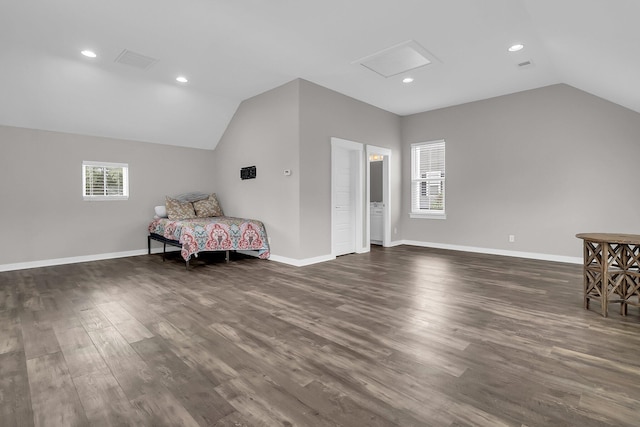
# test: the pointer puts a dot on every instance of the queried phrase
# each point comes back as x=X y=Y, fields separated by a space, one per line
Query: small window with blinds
x=428 y=180
x=105 y=181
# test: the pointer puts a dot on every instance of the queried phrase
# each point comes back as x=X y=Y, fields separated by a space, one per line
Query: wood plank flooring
x=401 y=336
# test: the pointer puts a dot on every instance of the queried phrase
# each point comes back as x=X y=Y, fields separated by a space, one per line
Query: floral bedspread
x=213 y=234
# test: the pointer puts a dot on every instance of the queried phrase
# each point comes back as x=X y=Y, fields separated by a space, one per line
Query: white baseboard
x=292 y=261
x=490 y=251
x=112 y=255
x=77 y=259
x=301 y=262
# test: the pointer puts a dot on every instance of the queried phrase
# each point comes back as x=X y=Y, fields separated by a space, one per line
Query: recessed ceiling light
x=89 y=53
x=407 y=80
x=516 y=47
x=182 y=79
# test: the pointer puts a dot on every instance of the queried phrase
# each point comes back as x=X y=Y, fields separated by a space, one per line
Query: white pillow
x=161 y=211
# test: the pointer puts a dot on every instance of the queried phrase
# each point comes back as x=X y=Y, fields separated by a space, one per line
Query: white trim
x=103 y=198
x=139 y=252
x=105 y=164
x=296 y=262
x=427 y=215
x=77 y=259
x=491 y=251
x=301 y=262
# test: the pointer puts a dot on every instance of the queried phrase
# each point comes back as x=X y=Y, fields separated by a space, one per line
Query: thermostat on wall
x=248 y=173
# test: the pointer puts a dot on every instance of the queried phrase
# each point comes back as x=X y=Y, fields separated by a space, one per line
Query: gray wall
x=264 y=132
x=325 y=114
x=43 y=214
x=543 y=165
x=290 y=127
x=375 y=174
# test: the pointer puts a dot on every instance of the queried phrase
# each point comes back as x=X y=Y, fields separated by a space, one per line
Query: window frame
x=105 y=197
x=427 y=213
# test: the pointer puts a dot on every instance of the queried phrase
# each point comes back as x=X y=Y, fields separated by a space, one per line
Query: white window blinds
x=428 y=178
x=105 y=181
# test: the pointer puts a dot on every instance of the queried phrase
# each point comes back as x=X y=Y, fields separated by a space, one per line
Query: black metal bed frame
x=165 y=242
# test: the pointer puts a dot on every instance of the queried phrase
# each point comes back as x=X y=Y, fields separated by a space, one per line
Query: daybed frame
x=165 y=242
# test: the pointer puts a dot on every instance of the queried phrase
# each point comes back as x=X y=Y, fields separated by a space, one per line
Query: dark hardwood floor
x=401 y=336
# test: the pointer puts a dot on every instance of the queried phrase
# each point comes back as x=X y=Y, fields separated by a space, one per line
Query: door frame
x=386 y=195
x=357 y=174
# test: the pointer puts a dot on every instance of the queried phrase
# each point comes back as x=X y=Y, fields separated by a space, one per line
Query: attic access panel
x=134 y=59
x=398 y=59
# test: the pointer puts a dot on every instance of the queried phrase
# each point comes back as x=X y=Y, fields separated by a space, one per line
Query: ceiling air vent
x=134 y=59
x=525 y=64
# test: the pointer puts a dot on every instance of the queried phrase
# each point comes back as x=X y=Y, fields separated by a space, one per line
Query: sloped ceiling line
x=232 y=51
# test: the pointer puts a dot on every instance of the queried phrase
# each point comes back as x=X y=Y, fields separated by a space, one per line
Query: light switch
x=287 y=172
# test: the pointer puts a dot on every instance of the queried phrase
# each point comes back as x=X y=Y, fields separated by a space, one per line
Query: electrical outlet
x=512 y=238
x=395 y=230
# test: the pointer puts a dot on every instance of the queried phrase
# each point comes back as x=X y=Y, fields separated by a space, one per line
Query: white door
x=347 y=197
x=344 y=201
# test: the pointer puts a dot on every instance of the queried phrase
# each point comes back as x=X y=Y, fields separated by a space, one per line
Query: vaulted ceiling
x=231 y=50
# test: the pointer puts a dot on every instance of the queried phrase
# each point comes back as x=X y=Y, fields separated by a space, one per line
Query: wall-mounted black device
x=248 y=173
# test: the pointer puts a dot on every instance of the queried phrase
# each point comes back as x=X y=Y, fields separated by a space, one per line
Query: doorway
x=378 y=191
x=376 y=204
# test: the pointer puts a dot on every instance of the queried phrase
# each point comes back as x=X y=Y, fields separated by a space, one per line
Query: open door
x=346 y=197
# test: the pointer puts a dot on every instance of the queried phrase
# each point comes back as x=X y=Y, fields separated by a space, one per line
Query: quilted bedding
x=213 y=234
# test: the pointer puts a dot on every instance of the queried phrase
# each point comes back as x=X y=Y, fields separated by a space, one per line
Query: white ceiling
x=234 y=49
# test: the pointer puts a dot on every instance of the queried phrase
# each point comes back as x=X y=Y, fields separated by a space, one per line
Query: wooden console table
x=611 y=269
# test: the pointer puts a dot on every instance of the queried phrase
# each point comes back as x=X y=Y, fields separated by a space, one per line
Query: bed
x=196 y=224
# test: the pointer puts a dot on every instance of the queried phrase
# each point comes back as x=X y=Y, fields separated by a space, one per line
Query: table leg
x=605 y=279
x=586 y=276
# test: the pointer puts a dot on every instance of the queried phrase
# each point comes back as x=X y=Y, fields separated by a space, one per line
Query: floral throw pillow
x=208 y=207
x=179 y=210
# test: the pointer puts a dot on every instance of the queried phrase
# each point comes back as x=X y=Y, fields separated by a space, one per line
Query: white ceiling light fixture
x=89 y=53
x=516 y=47
x=182 y=79
x=407 y=80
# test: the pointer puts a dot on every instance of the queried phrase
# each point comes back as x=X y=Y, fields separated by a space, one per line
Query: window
x=427 y=180
x=105 y=181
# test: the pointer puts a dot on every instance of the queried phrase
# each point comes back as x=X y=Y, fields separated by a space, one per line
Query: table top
x=625 y=239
